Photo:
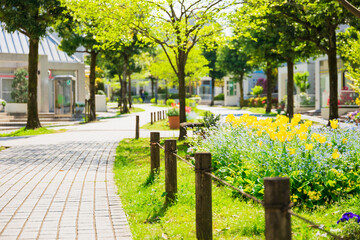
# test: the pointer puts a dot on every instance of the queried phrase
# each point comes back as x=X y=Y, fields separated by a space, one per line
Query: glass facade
x=231 y=88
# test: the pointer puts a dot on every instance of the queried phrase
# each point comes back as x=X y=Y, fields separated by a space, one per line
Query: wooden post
x=158 y=114
x=155 y=152
x=154 y=116
x=151 y=117
x=170 y=171
x=137 y=131
x=276 y=201
x=163 y=112
x=85 y=110
x=203 y=196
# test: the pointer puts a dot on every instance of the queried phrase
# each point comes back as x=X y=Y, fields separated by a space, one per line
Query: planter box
x=174 y=122
x=16 y=108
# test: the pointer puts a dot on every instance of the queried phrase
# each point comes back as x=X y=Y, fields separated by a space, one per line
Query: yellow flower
x=335 y=154
x=302 y=136
x=322 y=139
x=334 y=124
x=329 y=145
x=357 y=101
x=260 y=143
x=291 y=151
x=344 y=141
x=281 y=136
x=309 y=147
x=315 y=136
x=314 y=195
x=230 y=118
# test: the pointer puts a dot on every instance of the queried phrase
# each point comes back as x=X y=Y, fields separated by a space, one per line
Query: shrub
x=301 y=81
x=173 y=112
x=169 y=102
x=135 y=100
x=19 y=92
x=210 y=119
x=190 y=102
x=219 y=97
x=323 y=164
x=161 y=102
x=153 y=100
x=257 y=90
x=100 y=92
x=140 y=100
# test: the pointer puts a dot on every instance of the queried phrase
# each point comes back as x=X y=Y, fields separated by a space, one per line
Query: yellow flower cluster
x=281 y=129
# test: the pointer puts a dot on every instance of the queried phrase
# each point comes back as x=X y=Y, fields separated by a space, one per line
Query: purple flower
x=347 y=216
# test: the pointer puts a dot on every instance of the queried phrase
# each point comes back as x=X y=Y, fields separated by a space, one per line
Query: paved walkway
x=60 y=186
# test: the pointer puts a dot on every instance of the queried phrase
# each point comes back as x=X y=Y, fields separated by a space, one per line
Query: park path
x=61 y=186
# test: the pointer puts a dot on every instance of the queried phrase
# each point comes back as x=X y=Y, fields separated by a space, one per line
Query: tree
x=317 y=22
x=215 y=72
x=236 y=62
x=352 y=9
x=177 y=26
x=20 y=86
x=74 y=36
x=280 y=36
x=31 y=18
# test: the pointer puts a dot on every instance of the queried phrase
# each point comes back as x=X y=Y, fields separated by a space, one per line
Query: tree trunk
x=290 y=89
x=212 y=91
x=269 y=86
x=182 y=95
x=125 y=108
x=152 y=87
x=129 y=92
x=121 y=85
x=333 y=77
x=92 y=114
x=166 y=92
x=241 y=78
x=32 y=107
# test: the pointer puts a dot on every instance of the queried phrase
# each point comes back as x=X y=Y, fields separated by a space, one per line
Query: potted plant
x=174 y=117
x=3 y=104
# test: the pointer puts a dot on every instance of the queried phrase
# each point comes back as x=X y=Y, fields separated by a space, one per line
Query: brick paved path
x=60 y=186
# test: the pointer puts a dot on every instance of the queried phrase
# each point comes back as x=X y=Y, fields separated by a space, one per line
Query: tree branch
x=351 y=8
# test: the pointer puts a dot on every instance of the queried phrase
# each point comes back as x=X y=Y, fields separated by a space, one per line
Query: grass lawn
x=233 y=218
x=25 y=132
x=159 y=125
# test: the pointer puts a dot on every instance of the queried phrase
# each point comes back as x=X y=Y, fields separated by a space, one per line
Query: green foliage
x=19 y=92
x=302 y=81
x=322 y=164
x=257 y=90
x=153 y=100
x=219 y=97
x=170 y=101
x=351 y=230
x=210 y=120
x=101 y=92
x=173 y=112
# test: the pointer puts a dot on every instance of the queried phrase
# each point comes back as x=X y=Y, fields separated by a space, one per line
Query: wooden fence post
x=154 y=116
x=151 y=117
x=137 y=131
x=203 y=196
x=276 y=201
x=159 y=116
x=155 y=152
x=170 y=171
x=163 y=112
x=86 y=103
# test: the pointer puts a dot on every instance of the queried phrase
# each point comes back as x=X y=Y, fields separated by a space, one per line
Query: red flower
x=263 y=102
x=173 y=104
x=188 y=109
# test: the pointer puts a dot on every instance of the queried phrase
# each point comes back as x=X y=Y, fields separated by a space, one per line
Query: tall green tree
x=236 y=62
x=317 y=22
x=76 y=38
x=31 y=18
x=215 y=71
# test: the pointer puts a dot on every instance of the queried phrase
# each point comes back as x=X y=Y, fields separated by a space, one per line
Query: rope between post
x=314 y=225
x=235 y=188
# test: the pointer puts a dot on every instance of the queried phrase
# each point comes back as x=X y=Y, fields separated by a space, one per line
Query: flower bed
x=322 y=163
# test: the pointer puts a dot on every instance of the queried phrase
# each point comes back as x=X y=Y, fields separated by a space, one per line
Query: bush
x=153 y=100
x=169 y=102
x=219 y=97
x=257 y=90
x=161 y=102
x=210 y=119
x=173 y=112
x=190 y=103
x=323 y=164
x=19 y=92
x=100 y=92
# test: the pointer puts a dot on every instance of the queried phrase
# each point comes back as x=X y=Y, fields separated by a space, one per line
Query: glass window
x=6 y=90
x=231 y=88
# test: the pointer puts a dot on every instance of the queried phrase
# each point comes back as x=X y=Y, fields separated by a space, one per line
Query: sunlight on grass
x=29 y=132
x=161 y=125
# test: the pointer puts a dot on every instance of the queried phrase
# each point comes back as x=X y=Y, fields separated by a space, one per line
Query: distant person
x=142 y=95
